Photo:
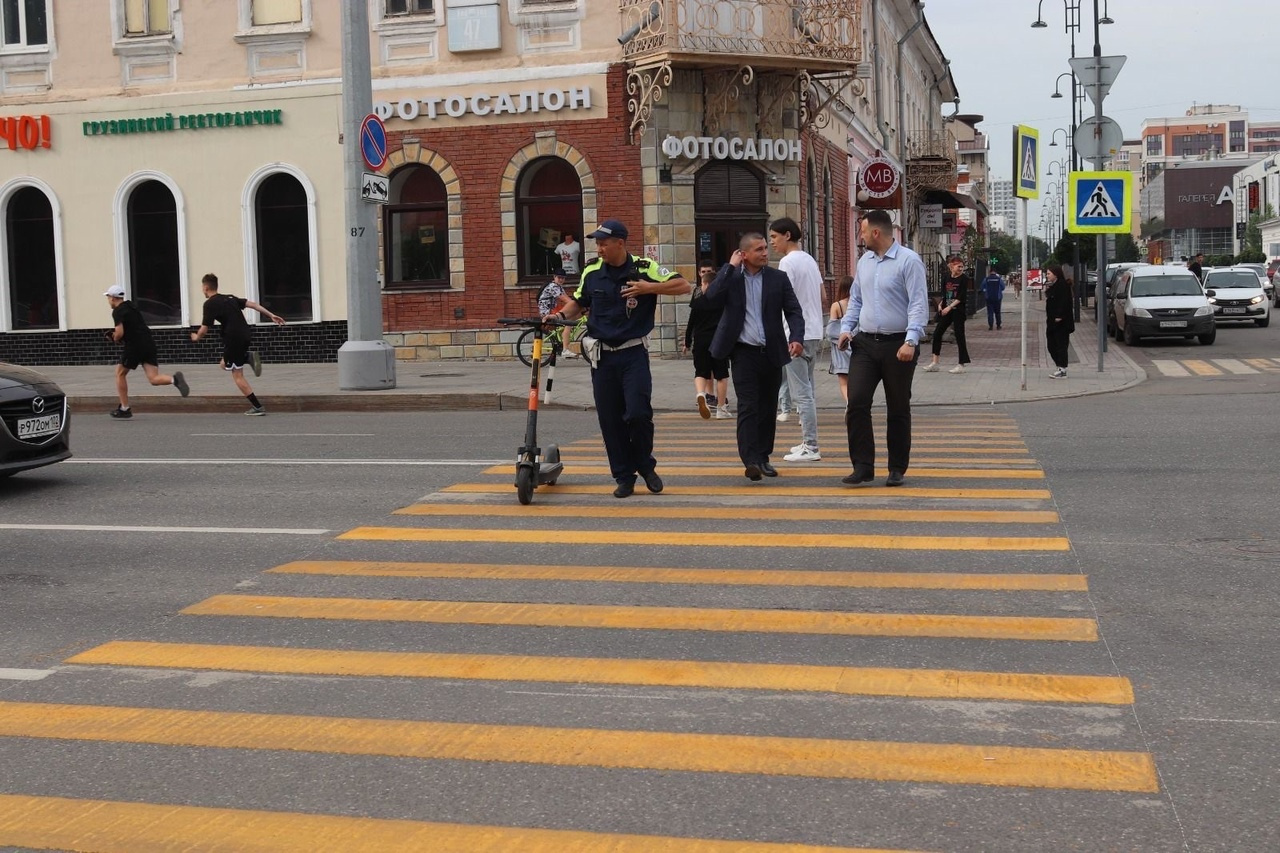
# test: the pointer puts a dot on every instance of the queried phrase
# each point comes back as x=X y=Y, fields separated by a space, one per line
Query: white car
x=1236 y=293
x=1165 y=302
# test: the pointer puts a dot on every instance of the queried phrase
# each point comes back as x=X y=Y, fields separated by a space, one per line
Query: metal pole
x=1026 y=294
x=1099 y=286
x=366 y=362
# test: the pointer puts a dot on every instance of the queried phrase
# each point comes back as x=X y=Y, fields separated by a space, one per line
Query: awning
x=951 y=199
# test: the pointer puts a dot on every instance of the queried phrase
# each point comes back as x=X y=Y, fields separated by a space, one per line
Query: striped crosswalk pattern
x=921 y=602
x=1192 y=367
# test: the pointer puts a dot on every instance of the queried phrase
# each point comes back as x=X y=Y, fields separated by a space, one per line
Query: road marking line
x=1009 y=435
x=118 y=827
x=719 y=675
x=394 y=463
x=1234 y=365
x=25 y=674
x=113 y=528
x=812 y=470
x=283 y=434
x=838 y=623
x=1200 y=367
x=790 y=514
x=773 y=491
x=708 y=539
x=1264 y=364
x=813 y=758
x=729 y=577
x=1170 y=367
x=725 y=457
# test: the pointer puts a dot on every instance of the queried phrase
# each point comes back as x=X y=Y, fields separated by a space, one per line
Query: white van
x=1151 y=302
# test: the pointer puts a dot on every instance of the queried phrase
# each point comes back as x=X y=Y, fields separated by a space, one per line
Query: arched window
x=156 y=285
x=811 y=211
x=33 y=266
x=284 y=247
x=415 y=230
x=548 y=205
x=828 y=222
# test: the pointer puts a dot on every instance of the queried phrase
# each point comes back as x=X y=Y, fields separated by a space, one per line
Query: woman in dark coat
x=1059 y=320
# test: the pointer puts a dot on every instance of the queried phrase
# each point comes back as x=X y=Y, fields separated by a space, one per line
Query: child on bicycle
x=549 y=301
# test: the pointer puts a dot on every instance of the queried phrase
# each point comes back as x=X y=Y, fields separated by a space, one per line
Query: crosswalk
x=1181 y=368
x=724 y=642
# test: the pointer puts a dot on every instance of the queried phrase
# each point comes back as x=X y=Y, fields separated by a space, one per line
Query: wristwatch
x=914 y=345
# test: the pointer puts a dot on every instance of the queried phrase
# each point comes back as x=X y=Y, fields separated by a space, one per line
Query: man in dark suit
x=755 y=298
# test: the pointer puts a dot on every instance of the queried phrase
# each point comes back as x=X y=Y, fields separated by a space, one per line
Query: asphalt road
x=1143 y=560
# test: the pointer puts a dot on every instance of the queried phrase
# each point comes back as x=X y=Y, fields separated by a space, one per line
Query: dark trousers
x=623 y=389
x=955 y=320
x=756 y=382
x=993 y=314
x=1058 y=340
x=873 y=362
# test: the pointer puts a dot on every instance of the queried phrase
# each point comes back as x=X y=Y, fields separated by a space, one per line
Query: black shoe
x=768 y=470
x=625 y=489
x=857 y=478
x=753 y=473
x=895 y=479
x=652 y=482
x=118 y=412
x=180 y=382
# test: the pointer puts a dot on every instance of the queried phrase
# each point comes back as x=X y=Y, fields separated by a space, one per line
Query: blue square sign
x=1099 y=202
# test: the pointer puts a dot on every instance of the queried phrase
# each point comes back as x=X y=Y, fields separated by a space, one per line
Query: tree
x=1126 y=249
x=1064 y=252
x=1251 y=249
x=1006 y=253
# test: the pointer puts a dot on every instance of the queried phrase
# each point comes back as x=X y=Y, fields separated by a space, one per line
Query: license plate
x=36 y=427
x=1233 y=310
x=1173 y=324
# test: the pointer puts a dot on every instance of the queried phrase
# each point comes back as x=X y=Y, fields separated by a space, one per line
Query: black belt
x=884 y=336
x=754 y=347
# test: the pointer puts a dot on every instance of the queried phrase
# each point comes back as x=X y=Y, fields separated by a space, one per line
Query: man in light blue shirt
x=888 y=307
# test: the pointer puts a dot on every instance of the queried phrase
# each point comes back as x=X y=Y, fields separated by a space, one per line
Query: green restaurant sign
x=190 y=121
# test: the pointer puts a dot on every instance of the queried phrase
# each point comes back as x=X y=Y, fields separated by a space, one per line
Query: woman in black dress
x=1059 y=320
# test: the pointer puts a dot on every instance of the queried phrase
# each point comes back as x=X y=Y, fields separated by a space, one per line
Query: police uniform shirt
x=600 y=293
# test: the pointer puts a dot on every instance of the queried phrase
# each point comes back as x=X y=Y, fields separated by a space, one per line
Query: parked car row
x=1148 y=301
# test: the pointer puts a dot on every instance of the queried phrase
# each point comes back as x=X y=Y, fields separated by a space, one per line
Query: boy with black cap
x=139 y=349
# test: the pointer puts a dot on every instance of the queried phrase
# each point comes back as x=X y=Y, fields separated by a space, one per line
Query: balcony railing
x=930 y=145
x=806 y=34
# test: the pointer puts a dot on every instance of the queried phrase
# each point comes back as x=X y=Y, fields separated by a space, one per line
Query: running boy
x=228 y=310
x=139 y=349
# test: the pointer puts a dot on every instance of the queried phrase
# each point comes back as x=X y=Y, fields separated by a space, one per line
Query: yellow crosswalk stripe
x=105 y=826
x=728 y=577
x=960 y=764
x=772 y=490
x=701 y=430
x=722 y=675
x=1265 y=364
x=803 y=515
x=1234 y=365
x=840 y=623
x=563 y=538
x=710 y=457
x=1200 y=367
x=812 y=470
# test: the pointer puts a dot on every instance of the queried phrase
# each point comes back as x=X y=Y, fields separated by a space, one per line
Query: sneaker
x=256 y=411
x=255 y=361
x=959 y=368
x=804 y=454
x=703 y=408
x=931 y=367
x=1058 y=374
x=712 y=402
x=723 y=412
x=118 y=412
x=782 y=417
x=180 y=382
x=798 y=447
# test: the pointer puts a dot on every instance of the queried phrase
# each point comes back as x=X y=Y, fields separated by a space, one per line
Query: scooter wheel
x=525 y=477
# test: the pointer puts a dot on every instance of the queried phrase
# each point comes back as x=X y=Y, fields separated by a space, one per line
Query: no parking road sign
x=373 y=142
x=1099 y=202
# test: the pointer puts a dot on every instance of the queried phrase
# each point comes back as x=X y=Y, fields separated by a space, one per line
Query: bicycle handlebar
x=532 y=322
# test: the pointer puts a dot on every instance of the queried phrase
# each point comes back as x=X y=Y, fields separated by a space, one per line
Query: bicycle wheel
x=524 y=349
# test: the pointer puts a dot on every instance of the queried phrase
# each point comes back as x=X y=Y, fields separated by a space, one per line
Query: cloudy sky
x=1180 y=52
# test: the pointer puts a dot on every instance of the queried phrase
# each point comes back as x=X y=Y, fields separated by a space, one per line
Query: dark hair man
x=228 y=312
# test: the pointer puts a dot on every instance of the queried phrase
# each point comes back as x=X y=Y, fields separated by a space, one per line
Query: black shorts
x=705 y=367
x=132 y=357
x=235 y=353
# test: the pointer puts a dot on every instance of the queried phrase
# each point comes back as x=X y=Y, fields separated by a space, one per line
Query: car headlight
x=1255 y=300
x=1204 y=310
x=1212 y=301
x=1138 y=312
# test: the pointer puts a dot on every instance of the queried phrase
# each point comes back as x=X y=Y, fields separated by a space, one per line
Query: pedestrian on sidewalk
x=709 y=373
x=1059 y=318
x=549 y=300
x=888 y=307
x=993 y=290
x=228 y=312
x=1015 y=278
x=951 y=313
x=132 y=330
x=839 y=357
x=755 y=299
x=806 y=282
x=620 y=292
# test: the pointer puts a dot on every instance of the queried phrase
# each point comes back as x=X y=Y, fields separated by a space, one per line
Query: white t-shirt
x=806 y=281
x=568 y=253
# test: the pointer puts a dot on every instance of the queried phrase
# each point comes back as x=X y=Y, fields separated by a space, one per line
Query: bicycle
x=552 y=345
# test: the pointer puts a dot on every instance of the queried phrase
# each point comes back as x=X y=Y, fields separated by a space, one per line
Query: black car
x=35 y=423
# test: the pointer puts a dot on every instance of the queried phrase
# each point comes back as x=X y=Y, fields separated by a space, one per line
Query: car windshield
x=1165 y=285
x=1232 y=278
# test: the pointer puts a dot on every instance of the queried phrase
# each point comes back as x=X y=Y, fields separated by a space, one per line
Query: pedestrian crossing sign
x=1100 y=202
x=1026 y=161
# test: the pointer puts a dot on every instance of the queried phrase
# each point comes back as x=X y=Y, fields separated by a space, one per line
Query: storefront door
x=729 y=202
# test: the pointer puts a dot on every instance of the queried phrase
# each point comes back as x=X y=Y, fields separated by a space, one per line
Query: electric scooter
x=535 y=467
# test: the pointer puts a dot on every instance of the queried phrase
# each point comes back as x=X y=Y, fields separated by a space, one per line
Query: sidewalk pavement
x=995 y=376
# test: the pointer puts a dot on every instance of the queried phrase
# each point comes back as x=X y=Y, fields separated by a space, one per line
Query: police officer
x=621 y=293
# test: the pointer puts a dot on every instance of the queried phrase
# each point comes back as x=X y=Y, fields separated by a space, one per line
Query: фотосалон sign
x=722 y=148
